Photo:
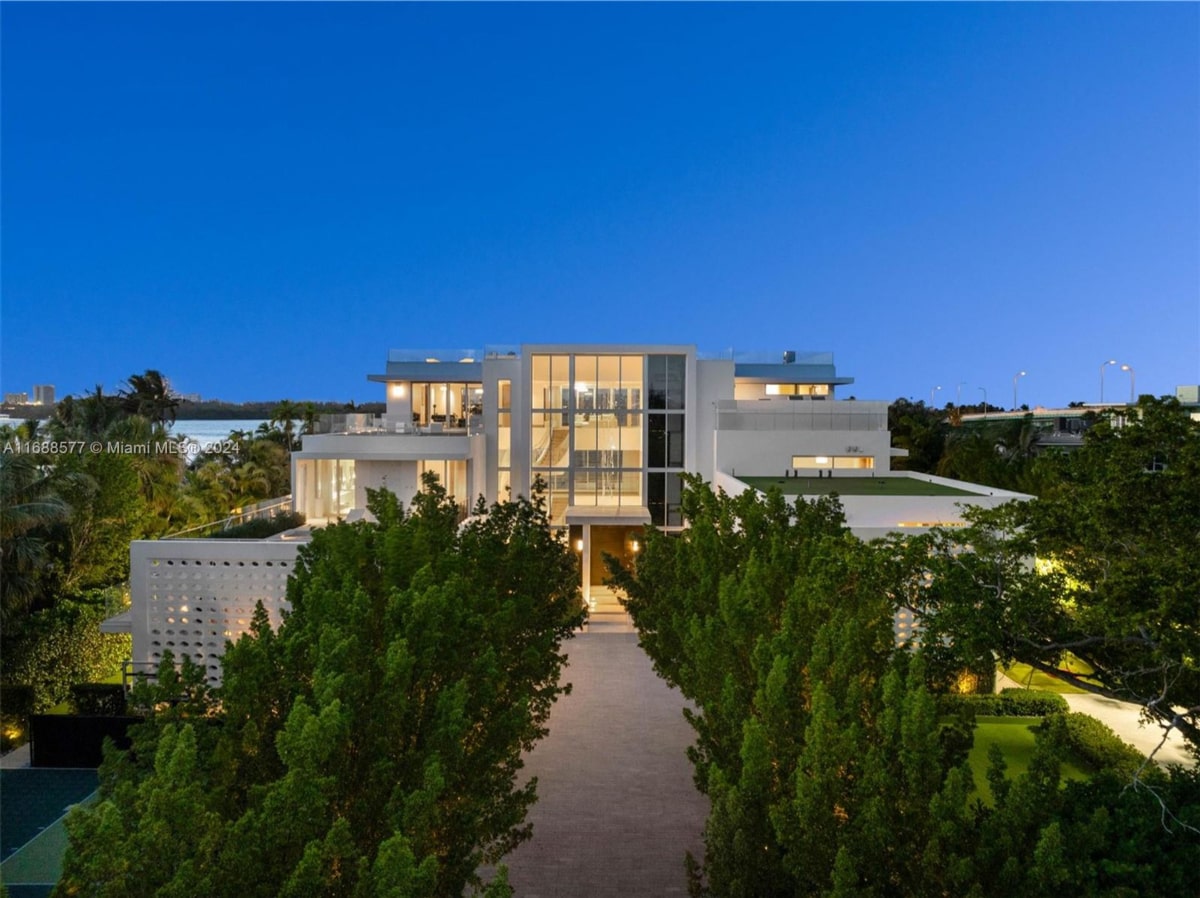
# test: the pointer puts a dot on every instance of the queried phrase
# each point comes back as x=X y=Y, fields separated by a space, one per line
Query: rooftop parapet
x=766 y=357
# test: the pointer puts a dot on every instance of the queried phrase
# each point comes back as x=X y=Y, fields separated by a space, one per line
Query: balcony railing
x=375 y=424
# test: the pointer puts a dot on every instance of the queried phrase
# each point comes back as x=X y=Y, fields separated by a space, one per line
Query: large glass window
x=838 y=462
x=666 y=375
x=449 y=405
x=662 y=499
x=586 y=429
x=665 y=441
x=452 y=474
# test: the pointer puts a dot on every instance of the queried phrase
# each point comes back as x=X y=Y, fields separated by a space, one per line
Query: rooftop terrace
x=853 y=486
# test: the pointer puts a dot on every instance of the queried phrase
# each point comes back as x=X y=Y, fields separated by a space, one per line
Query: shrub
x=16 y=704
x=99 y=699
x=56 y=647
x=260 y=528
x=1092 y=742
x=1009 y=703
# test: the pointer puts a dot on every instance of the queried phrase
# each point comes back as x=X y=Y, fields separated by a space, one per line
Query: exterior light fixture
x=579 y=545
x=1129 y=368
x=1102 y=367
x=1015 y=377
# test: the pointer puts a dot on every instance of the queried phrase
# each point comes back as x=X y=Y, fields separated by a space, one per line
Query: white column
x=586 y=563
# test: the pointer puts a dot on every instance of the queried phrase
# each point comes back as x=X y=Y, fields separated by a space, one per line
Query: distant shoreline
x=214 y=410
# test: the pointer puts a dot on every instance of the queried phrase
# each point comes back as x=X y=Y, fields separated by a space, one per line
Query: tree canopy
x=819 y=741
x=370 y=746
x=1115 y=534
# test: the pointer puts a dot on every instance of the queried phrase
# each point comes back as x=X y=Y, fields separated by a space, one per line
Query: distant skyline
x=260 y=200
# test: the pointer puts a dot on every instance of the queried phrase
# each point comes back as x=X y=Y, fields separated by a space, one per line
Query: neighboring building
x=16 y=398
x=43 y=394
x=608 y=430
x=1063 y=428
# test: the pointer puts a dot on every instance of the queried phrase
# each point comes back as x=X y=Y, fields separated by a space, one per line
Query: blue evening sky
x=262 y=200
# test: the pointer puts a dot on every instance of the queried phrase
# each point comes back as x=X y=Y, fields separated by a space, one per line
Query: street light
x=1015 y=376
x=958 y=392
x=983 y=390
x=931 y=395
x=1102 y=367
x=1129 y=368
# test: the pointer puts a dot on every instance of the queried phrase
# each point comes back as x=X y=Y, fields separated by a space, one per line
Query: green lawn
x=852 y=486
x=1035 y=679
x=1015 y=737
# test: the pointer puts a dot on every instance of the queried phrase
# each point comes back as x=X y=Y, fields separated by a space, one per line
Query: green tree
x=30 y=504
x=372 y=745
x=150 y=396
x=1115 y=535
x=817 y=740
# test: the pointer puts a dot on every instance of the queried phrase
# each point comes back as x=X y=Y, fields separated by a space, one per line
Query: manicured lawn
x=1015 y=737
x=1035 y=679
x=852 y=486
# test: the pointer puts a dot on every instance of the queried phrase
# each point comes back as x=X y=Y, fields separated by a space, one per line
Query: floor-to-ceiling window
x=666 y=388
x=450 y=405
x=586 y=431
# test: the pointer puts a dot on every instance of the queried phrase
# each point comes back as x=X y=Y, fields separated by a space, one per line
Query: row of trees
x=67 y=519
x=1001 y=453
x=370 y=746
x=818 y=740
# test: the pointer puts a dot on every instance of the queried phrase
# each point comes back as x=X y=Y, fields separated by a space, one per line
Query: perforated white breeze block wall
x=191 y=595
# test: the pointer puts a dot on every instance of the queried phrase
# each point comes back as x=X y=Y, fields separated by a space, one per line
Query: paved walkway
x=616 y=808
x=1124 y=719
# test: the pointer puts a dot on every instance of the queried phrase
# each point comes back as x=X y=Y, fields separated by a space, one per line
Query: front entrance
x=593 y=542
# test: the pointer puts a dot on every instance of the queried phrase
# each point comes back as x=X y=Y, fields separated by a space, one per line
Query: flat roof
x=853 y=485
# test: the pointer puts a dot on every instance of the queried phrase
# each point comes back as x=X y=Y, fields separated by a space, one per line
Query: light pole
x=958 y=392
x=1129 y=368
x=1102 y=367
x=983 y=390
x=931 y=395
x=1015 y=376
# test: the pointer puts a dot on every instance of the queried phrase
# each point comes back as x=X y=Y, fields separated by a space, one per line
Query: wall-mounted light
x=579 y=545
x=635 y=546
x=398 y=391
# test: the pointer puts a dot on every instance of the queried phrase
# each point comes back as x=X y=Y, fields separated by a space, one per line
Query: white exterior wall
x=399 y=402
x=398 y=476
x=871 y=517
x=760 y=437
x=192 y=595
x=494 y=371
x=714 y=383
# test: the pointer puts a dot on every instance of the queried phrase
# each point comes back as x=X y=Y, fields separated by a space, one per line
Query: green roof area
x=852 y=486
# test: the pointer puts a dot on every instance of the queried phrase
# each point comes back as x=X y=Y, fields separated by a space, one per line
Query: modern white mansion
x=608 y=428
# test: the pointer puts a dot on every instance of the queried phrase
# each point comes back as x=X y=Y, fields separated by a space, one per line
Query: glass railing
x=434 y=355
x=372 y=424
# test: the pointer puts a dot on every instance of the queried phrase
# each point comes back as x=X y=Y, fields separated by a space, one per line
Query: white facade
x=607 y=429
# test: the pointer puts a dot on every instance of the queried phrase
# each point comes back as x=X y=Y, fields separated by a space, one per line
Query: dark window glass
x=656 y=494
x=673 y=513
x=656 y=386
x=657 y=448
x=676 y=375
x=674 y=441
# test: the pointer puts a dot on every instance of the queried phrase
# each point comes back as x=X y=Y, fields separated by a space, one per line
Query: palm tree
x=310 y=415
x=150 y=396
x=29 y=504
x=285 y=414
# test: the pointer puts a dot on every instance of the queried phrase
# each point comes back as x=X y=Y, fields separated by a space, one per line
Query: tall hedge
x=57 y=647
